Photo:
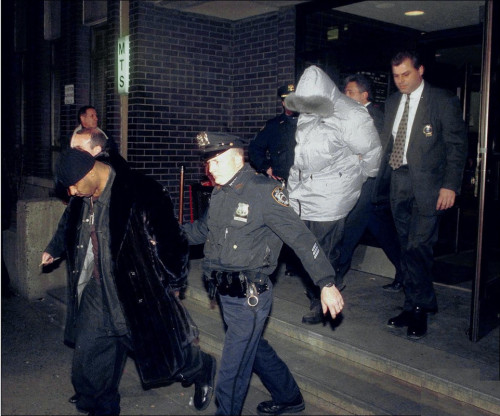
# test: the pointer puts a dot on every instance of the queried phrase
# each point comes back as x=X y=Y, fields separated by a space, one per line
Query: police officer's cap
x=213 y=144
x=284 y=90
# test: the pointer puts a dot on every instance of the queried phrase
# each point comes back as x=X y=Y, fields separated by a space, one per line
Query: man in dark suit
x=424 y=160
x=366 y=214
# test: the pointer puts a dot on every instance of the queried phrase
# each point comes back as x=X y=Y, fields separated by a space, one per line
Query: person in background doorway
x=272 y=150
x=368 y=215
x=87 y=118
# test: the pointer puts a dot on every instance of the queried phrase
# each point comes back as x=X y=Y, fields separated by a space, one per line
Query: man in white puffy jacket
x=338 y=147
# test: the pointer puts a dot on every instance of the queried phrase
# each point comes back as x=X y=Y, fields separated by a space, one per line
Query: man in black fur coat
x=127 y=260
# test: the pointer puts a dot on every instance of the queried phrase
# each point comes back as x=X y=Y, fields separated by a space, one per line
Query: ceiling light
x=414 y=13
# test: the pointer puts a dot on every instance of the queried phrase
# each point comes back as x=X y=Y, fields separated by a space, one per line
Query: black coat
x=149 y=260
x=277 y=138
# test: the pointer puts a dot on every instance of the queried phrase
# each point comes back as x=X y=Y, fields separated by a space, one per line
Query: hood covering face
x=314 y=94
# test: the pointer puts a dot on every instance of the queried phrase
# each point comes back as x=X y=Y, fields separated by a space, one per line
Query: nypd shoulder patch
x=279 y=196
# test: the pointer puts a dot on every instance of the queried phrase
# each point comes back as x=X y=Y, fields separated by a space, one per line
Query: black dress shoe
x=204 y=385
x=417 y=328
x=73 y=399
x=393 y=287
x=272 y=408
x=403 y=319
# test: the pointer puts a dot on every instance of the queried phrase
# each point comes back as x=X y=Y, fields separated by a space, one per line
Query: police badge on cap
x=284 y=90
x=213 y=144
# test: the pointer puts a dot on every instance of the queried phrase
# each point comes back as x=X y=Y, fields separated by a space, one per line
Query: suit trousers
x=377 y=219
x=417 y=236
x=245 y=351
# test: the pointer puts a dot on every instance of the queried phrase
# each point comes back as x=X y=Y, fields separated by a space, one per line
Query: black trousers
x=99 y=356
x=378 y=220
x=417 y=234
x=329 y=235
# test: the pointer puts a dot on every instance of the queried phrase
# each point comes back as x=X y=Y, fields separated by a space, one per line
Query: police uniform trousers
x=99 y=356
x=417 y=236
x=377 y=218
x=245 y=351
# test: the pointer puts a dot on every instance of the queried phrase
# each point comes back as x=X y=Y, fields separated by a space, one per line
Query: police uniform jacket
x=278 y=139
x=148 y=261
x=247 y=221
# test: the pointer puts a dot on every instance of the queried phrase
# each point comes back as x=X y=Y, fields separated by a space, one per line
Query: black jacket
x=149 y=261
x=277 y=138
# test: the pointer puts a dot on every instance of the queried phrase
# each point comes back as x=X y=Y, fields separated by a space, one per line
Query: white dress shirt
x=414 y=100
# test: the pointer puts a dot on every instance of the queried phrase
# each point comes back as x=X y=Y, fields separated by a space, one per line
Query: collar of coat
x=237 y=182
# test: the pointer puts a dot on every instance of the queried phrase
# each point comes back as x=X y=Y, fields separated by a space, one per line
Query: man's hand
x=446 y=199
x=46 y=259
x=331 y=300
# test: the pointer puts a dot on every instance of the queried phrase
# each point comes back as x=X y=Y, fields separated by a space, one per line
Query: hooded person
x=338 y=147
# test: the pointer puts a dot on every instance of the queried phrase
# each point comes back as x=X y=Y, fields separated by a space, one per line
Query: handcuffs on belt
x=235 y=284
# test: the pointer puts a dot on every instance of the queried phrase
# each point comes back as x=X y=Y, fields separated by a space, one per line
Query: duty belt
x=238 y=284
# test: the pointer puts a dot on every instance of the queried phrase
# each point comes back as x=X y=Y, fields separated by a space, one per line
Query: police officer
x=247 y=221
x=272 y=150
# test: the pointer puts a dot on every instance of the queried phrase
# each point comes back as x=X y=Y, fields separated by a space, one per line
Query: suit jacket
x=437 y=147
x=377 y=116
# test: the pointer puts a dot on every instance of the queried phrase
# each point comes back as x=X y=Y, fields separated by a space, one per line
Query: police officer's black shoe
x=272 y=408
x=204 y=385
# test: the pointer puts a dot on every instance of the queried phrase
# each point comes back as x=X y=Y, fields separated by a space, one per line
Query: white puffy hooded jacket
x=337 y=149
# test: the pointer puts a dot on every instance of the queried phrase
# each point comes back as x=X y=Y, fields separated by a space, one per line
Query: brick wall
x=191 y=73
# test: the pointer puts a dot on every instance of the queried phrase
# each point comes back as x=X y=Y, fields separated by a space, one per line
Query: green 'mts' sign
x=123 y=64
